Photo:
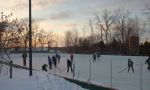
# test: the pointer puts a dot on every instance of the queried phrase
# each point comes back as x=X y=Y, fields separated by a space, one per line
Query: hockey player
x=44 y=67
x=130 y=65
x=69 y=65
x=148 y=63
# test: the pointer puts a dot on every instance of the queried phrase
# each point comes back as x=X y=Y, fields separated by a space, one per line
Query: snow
x=39 y=81
x=100 y=71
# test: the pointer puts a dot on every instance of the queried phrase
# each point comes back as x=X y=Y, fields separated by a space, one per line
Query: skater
x=130 y=65
x=50 y=62
x=58 y=57
x=24 y=57
x=71 y=57
x=44 y=67
x=54 y=61
x=94 y=57
x=148 y=63
x=98 y=56
x=69 y=65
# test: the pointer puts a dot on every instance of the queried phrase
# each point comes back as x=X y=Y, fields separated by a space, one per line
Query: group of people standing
x=130 y=64
x=55 y=59
x=96 y=56
x=52 y=62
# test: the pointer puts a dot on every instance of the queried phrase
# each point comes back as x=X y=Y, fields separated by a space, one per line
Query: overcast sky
x=61 y=15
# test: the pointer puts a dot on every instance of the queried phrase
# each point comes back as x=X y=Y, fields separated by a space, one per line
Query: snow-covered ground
x=39 y=81
x=100 y=71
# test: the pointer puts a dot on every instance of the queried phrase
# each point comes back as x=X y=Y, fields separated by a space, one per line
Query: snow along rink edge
x=41 y=81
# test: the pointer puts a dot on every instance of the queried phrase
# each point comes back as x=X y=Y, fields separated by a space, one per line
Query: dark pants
x=24 y=61
x=50 y=66
x=55 y=64
x=131 y=68
x=58 y=60
x=94 y=59
x=70 y=68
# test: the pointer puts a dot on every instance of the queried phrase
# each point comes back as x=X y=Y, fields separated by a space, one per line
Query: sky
x=61 y=15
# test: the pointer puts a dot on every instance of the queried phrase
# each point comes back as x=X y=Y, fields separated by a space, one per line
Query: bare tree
x=104 y=24
x=68 y=39
x=147 y=11
x=127 y=26
x=56 y=40
x=50 y=39
x=120 y=24
x=75 y=37
x=92 y=31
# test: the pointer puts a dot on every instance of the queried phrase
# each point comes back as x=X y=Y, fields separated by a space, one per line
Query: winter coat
x=130 y=63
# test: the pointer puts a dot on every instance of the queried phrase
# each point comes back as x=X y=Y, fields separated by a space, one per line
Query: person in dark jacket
x=50 y=62
x=148 y=63
x=98 y=56
x=71 y=57
x=94 y=57
x=58 y=57
x=130 y=65
x=54 y=61
x=69 y=65
x=44 y=67
x=24 y=57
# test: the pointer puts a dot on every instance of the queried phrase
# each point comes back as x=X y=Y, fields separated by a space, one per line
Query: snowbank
x=39 y=81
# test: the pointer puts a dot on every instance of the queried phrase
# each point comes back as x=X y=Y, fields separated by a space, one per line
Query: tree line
x=109 y=33
x=14 y=33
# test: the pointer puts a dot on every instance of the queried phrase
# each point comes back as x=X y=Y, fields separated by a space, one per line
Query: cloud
x=47 y=2
x=60 y=15
x=20 y=5
x=7 y=3
x=69 y=26
x=36 y=4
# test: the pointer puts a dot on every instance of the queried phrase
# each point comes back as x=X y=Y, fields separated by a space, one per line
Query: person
x=130 y=65
x=58 y=57
x=50 y=62
x=98 y=56
x=54 y=61
x=44 y=67
x=71 y=57
x=24 y=57
x=94 y=57
x=69 y=65
x=148 y=63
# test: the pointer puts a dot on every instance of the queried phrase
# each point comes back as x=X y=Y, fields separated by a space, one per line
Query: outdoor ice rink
x=100 y=70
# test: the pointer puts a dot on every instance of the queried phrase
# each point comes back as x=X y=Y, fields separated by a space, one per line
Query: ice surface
x=100 y=71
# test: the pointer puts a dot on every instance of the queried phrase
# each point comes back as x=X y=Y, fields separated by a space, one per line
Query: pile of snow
x=39 y=81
